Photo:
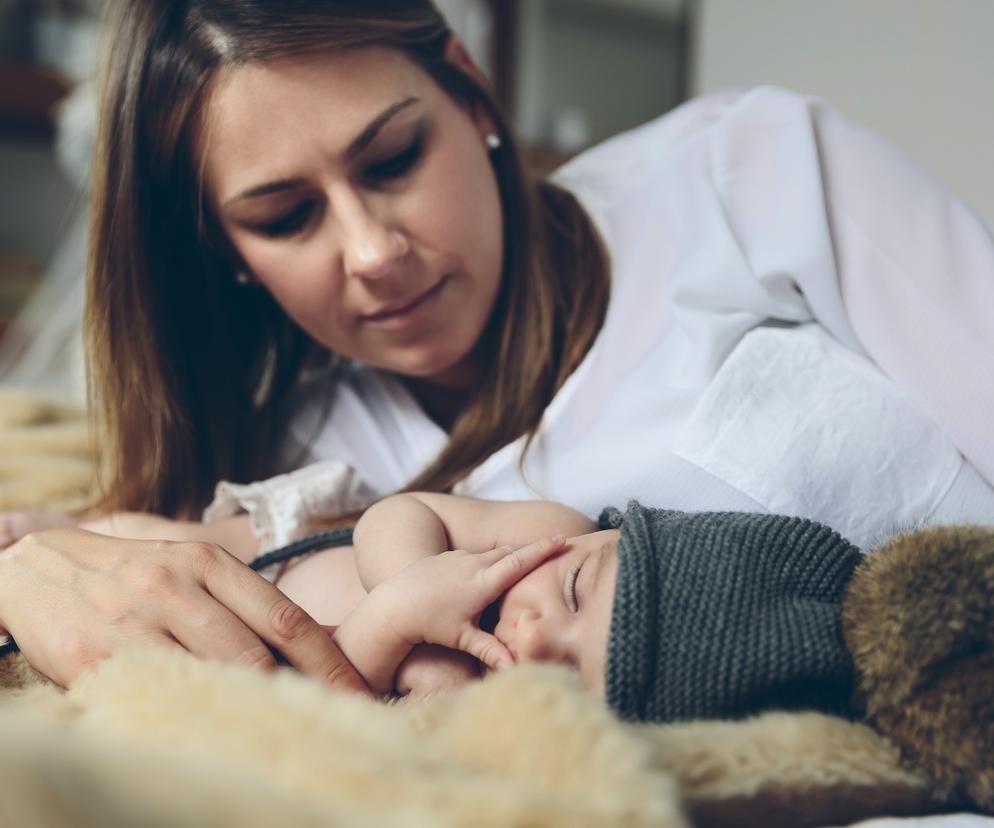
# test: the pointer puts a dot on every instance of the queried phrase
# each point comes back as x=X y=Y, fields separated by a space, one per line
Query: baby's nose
x=531 y=641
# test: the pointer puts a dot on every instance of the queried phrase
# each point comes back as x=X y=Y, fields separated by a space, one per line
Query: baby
x=669 y=615
x=432 y=564
x=666 y=615
x=362 y=589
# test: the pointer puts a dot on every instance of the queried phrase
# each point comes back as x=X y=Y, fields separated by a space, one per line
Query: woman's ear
x=458 y=56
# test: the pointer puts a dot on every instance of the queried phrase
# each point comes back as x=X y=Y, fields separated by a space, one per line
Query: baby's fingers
x=508 y=566
x=486 y=648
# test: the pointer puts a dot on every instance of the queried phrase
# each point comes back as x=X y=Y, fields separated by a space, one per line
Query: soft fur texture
x=919 y=621
x=196 y=743
x=157 y=738
x=46 y=455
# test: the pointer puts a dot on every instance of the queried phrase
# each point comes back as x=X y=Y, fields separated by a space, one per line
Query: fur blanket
x=46 y=456
x=159 y=738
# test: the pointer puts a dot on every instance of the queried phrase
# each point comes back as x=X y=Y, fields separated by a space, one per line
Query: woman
x=798 y=319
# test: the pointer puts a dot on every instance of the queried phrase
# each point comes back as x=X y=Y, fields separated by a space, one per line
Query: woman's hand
x=70 y=598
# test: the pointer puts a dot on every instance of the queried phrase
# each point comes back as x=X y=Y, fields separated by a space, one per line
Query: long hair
x=190 y=373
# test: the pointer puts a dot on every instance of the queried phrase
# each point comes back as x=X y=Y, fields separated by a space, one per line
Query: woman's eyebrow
x=358 y=144
x=265 y=189
x=365 y=138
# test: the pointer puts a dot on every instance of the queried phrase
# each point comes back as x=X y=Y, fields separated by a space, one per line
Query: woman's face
x=363 y=199
x=561 y=611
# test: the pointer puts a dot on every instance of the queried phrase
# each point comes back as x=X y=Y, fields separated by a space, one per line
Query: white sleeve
x=885 y=257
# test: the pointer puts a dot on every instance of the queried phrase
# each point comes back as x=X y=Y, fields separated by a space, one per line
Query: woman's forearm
x=234 y=534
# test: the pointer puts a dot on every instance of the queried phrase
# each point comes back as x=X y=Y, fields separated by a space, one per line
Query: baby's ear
x=918 y=619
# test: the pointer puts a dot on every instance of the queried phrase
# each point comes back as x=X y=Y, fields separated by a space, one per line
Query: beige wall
x=607 y=64
x=920 y=72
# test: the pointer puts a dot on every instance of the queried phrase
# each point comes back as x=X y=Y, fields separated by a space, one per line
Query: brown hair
x=187 y=368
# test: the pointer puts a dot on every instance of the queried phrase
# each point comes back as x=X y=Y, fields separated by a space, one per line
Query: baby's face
x=561 y=611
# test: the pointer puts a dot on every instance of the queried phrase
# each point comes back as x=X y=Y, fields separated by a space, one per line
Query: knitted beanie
x=722 y=614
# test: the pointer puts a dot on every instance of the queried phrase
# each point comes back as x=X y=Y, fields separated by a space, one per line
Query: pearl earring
x=493 y=141
x=242 y=278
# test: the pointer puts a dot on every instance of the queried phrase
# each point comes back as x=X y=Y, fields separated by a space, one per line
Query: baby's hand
x=438 y=600
x=432 y=669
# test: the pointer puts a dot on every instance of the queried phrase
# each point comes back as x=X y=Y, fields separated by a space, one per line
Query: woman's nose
x=372 y=247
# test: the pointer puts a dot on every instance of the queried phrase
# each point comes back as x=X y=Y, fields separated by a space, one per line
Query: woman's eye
x=395 y=166
x=289 y=223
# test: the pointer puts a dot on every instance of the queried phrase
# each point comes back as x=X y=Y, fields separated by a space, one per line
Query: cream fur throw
x=46 y=458
x=158 y=738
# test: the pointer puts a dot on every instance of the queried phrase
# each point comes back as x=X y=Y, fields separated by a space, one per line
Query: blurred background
x=570 y=72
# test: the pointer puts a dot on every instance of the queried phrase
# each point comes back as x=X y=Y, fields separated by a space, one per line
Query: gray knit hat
x=722 y=614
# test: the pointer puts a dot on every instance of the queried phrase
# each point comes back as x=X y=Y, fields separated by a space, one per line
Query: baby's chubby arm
x=401 y=529
x=436 y=600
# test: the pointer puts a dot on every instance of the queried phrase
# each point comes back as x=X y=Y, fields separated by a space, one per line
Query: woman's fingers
x=161 y=640
x=71 y=598
x=274 y=619
x=208 y=629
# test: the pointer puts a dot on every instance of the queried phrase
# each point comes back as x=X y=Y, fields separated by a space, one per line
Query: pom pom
x=918 y=619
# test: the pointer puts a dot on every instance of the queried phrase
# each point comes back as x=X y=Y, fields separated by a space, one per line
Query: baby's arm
x=401 y=529
x=435 y=600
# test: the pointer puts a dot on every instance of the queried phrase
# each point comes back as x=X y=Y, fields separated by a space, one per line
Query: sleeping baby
x=673 y=616
x=666 y=615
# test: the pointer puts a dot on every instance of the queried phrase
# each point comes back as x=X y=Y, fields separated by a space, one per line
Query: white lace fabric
x=282 y=509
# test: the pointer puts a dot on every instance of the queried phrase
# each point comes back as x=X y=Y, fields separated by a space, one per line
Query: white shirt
x=801 y=322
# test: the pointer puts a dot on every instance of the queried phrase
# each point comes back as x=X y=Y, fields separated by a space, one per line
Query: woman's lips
x=406 y=311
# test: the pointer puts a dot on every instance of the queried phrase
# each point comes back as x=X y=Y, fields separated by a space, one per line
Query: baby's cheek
x=593 y=664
